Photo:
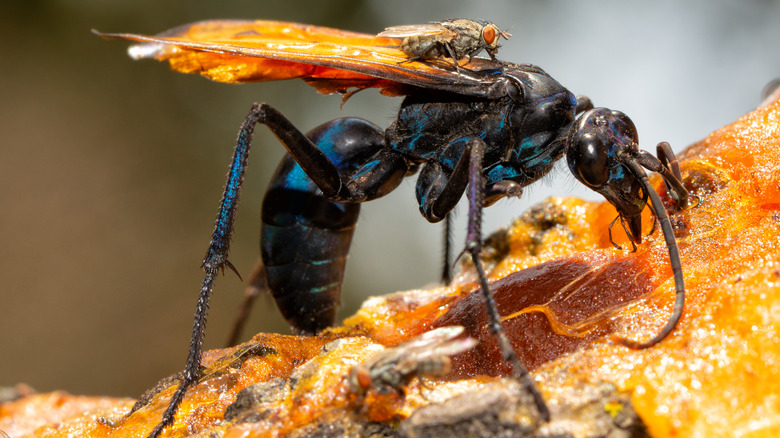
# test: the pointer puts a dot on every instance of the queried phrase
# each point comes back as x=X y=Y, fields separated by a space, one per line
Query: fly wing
x=413 y=29
x=436 y=349
x=331 y=60
x=434 y=337
x=420 y=345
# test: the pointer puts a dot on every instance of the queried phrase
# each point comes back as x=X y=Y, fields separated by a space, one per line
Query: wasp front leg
x=438 y=191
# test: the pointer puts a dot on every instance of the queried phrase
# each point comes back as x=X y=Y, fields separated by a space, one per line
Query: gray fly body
x=427 y=355
x=454 y=39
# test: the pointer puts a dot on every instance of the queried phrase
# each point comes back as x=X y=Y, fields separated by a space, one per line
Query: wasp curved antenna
x=674 y=258
x=603 y=153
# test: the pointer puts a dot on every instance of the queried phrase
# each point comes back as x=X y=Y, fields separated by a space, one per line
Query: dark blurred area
x=111 y=170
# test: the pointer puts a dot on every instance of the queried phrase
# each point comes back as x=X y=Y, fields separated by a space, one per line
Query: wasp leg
x=371 y=175
x=438 y=191
x=377 y=173
x=311 y=207
x=446 y=274
x=453 y=57
x=440 y=188
x=215 y=261
x=476 y=148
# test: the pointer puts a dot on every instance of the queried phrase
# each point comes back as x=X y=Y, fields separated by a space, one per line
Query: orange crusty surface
x=564 y=292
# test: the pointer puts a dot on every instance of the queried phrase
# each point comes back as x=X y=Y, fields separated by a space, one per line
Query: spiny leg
x=309 y=213
x=316 y=165
x=305 y=236
x=214 y=262
x=192 y=370
x=476 y=150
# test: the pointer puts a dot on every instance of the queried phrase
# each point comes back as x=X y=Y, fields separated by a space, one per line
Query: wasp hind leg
x=215 y=262
x=306 y=232
x=370 y=172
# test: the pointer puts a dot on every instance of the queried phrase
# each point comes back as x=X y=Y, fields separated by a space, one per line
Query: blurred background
x=111 y=170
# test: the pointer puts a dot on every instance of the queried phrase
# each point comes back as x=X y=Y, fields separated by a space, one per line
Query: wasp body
x=485 y=132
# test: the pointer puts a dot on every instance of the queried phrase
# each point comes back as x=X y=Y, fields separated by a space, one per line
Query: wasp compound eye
x=588 y=157
x=624 y=125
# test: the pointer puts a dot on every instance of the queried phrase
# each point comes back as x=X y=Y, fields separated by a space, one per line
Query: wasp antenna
x=666 y=165
x=674 y=258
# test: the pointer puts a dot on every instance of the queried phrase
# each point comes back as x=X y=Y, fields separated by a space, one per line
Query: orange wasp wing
x=331 y=60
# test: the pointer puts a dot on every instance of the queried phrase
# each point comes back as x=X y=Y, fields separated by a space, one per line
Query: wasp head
x=598 y=145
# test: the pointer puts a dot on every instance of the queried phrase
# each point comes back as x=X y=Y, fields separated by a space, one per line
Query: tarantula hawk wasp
x=487 y=130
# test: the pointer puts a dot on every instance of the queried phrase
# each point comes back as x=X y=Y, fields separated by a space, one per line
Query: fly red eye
x=489 y=34
x=363 y=378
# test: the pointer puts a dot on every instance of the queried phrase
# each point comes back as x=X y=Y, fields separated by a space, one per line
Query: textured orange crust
x=716 y=375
